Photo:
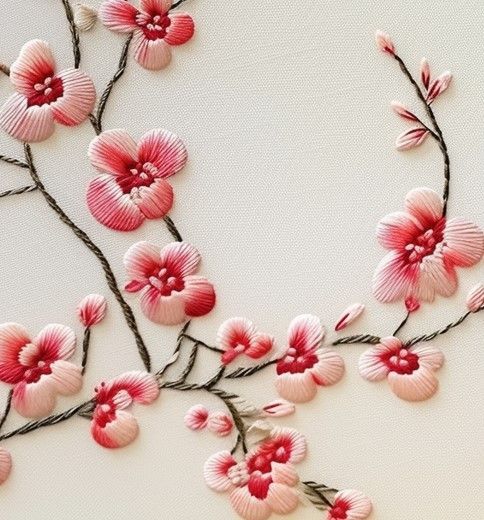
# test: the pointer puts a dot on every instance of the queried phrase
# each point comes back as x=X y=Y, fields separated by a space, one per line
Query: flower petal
x=235 y=331
x=247 y=506
x=396 y=230
x=215 y=471
x=113 y=151
x=151 y=54
x=141 y=386
x=425 y=205
x=428 y=356
x=180 y=258
x=34 y=400
x=118 y=433
x=282 y=499
x=165 y=310
x=78 y=99
x=370 y=364
x=305 y=333
x=92 y=309
x=475 y=298
x=109 y=206
x=164 y=150
x=435 y=277
x=5 y=465
x=140 y=260
x=181 y=28
x=411 y=138
x=294 y=443
x=284 y=474
x=196 y=417
x=66 y=377
x=55 y=342
x=261 y=346
x=118 y=15
x=356 y=505
x=220 y=423
x=394 y=278
x=155 y=6
x=199 y=296
x=155 y=201
x=417 y=386
x=464 y=242
x=329 y=369
x=297 y=388
x=13 y=337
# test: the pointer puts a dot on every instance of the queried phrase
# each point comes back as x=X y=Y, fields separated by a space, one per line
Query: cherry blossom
x=305 y=364
x=350 y=504
x=425 y=248
x=170 y=290
x=131 y=186
x=37 y=367
x=237 y=336
x=5 y=465
x=112 y=426
x=264 y=482
x=155 y=28
x=92 y=309
x=410 y=372
x=44 y=96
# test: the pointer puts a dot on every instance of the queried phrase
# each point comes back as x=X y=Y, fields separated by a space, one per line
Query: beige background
x=284 y=108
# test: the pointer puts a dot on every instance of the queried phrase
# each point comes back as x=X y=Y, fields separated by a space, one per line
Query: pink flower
x=112 y=426
x=475 y=298
x=264 y=482
x=384 y=42
x=170 y=290
x=44 y=96
x=196 y=417
x=220 y=423
x=349 y=315
x=132 y=184
x=92 y=309
x=425 y=248
x=238 y=336
x=350 y=504
x=305 y=365
x=154 y=26
x=410 y=371
x=5 y=465
x=278 y=408
x=37 y=367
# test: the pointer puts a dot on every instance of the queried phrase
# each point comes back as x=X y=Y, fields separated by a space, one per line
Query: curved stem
x=172 y=229
x=108 y=272
x=248 y=371
x=203 y=344
x=7 y=408
x=402 y=324
x=18 y=191
x=85 y=348
x=74 y=33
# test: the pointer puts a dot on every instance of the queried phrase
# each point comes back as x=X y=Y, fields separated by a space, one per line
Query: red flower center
x=34 y=373
x=296 y=362
x=258 y=484
x=165 y=282
x=425 y=243
x=138 y=175
x=46 y=91
x=339 y=510
x=401 y=361
x=154 y=26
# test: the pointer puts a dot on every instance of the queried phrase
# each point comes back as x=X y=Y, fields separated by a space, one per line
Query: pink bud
x=384 y=43
x=278 y=408
x=412 y=304
x=403 y=111
x=425 y=72
x=475 y=298
x=5 y=465
x=92 y=309
x=220 y=423
x=196 y=417
x=350 y=314
x=411 y=138
x=438 y=85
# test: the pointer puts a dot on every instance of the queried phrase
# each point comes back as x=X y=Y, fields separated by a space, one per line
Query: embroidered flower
x=410 y=371
x=424 y=249
x=154 y=26
x=92 y=309
x=132 y=183
x=220 y=423
x=238 y=336
x=264 y=482
x=5 y=465
x=475 y=298
x=350 y=504
x=305 y=365
x=196 y=417
x=170 y=290
x=44 y=96
x=112 y=426
x=349 y=315
x=37 y=367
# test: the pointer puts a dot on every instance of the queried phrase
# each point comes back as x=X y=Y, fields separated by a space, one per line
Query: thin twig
x=7 y=408
x=402 y=324
x=313 y=489
x=74 y=33
x=85 y=348
x=176 y=4
x=190 y=364
x=178 y=346
x=369 y=339
x=172 y=229
x=18 y=191
x=11 y=160
x=248 y=371
x=203 y=344
x=108 y=272
x=5 y=69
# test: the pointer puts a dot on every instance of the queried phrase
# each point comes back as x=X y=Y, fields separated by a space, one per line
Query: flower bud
x=475 y=298
x=425 y=73
x=220 y=423
x=412 y=304
x=92 y=309
x=384 y=43
x=278 y=408
x=196 y=417
x=85 y=17
x=350 y=314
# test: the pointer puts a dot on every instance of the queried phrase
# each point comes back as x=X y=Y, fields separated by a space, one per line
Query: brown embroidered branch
x=11 y=160
x=5 y=69
x=402 y=324
x=18 y=191
x=108 y=272
x=316 y=494
x=85 y=348
x=203 y=344
x=74 y=33
x=7 y=408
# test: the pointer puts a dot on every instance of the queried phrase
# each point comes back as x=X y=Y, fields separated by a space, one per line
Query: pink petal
x=349 y=315
x=425 y=73
x=66 y=377
x=475 y=298
x=165 y=310
x=155 y=201
x=425 y=205
x=294 y=443
x=151 y=54
x=305 y=333
x=220 y=423
x=141 y=259
x=77 y=102
x=284 y=474
x=5 y=465
x=278 y=408
x=248 y=506
x=118 y=15
x=384 y=42
x=411 y=138
x=92 y=309
x=155 y=6
x=329 y=369
x=113 y=151
x=370 y=364
x=196 y=417
x=13 y=337
x=435 y=277
x=164 y=150
x=29 y=124
x=417 y=386
x=110 y=206
x=235 y=331
x=215 y=471
x=261 y=346
x=56 y=341
x=181 y=28
x=34 y=400
x=141 y=386
x=403 y=111
x=282 y=499
x=438 y=85
x=393 y=277
x=297 y=388
x=396 y=230
x=118 y=433
x=199 y=296
x=428 y=356
x=357 y=505
x=180 y=258
x=464 y=242
x=34 y=64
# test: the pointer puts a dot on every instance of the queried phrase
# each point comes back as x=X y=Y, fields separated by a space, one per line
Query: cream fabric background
x=285 y=112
